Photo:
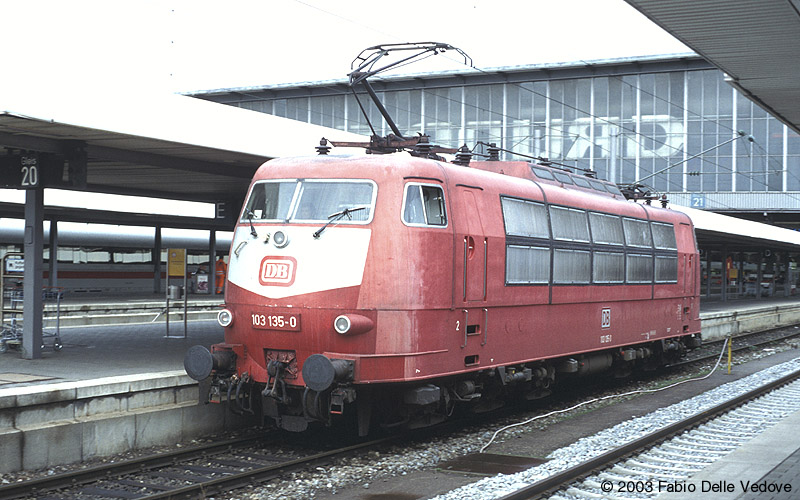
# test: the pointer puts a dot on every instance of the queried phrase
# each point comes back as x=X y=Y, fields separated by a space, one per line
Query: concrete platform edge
x=66 y=422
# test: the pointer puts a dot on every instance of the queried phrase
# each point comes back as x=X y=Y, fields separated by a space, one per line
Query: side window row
x=530 y=265
x=529 y=219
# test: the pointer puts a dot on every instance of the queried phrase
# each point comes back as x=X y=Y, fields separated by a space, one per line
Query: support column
x=212 y=257
x=724 y=272
x=156 y=257
x=760 y=276
x=52 y=267
x=32 y=282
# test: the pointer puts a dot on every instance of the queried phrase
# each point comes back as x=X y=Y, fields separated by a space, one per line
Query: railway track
x=710 y=351
x=673 y=453
x=197 y=472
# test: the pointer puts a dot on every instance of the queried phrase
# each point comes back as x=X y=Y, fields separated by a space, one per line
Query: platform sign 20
x=20 y=171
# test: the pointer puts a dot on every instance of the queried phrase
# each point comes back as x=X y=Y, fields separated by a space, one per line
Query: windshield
x=310 y=200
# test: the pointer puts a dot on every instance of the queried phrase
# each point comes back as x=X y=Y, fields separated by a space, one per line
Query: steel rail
x=140 y=464
x=261 y=474
x=739 y=348
x=554 y=482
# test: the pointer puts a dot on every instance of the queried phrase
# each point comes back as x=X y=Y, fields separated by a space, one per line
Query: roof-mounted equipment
x=368 y=64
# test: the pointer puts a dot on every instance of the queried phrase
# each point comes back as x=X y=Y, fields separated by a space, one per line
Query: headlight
x=342 y=324
x=225 y=317
x=280 y=239
x=352 y=324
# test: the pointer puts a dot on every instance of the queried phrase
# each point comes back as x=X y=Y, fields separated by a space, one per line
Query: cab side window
x=424 y=205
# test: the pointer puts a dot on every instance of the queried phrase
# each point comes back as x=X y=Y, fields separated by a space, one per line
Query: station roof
x=755 y=43
x=161 y=145
x=715 y=231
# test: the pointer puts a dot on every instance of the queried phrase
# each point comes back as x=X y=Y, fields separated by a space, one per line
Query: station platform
x=94 y=352
x=105 y=336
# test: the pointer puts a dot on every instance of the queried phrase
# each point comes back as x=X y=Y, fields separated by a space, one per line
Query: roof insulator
x=424 y=147
x=494 y=152
x=323 y=147
x=463 y=156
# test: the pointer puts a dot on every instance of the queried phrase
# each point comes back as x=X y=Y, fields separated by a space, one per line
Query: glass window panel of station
x=606 y=229
x=637 y=233
x=708 y=179
x=601 y=102
x=615 y=86
x=710 y=93
x=609 y=267
x=725 y=173
x=676 y=91
x=630 y=84
x=661 y=94
x=666 y=269
x=569 y=224
x=758 y=174
x=793 y=166
x=525 y=218
x=775 y=154
x=527 y=264
x=694 y=94
x=647 y=94
x=664 y=236
x=570 y=100
x=725 y=97
x=571 y=266
x=639 y=268
x=792 y=142
x=675 y=175
x=279 y=107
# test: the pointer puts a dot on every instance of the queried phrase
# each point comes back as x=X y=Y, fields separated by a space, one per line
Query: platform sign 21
x=698 y=201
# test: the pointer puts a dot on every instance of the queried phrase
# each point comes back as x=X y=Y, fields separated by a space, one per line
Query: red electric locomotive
x=397 y=289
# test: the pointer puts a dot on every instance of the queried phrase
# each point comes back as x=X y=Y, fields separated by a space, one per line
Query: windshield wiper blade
x=250 y=216
x=336 y=216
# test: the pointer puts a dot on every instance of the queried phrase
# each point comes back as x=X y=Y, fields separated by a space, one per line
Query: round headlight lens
x=280 y=239
x=225 y=317
x=342 y=324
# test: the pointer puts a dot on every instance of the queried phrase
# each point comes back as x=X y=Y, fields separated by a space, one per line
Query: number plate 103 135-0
x=268 y=320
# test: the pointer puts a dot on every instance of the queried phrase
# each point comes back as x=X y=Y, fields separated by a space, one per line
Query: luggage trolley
x=11 y=305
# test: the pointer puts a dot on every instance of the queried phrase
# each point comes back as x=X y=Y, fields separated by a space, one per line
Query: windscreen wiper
x=250 y=216
x=336 y=216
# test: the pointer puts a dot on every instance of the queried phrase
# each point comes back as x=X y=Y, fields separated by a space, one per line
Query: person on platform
x=221 y=272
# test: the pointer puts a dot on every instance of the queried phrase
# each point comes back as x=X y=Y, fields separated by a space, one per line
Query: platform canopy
x=715 y=231
x=756 y=44
x=158 y=145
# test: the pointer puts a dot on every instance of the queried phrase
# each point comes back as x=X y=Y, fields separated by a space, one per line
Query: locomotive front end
x=296 y=264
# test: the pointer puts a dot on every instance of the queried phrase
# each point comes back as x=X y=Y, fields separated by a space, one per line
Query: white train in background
x=103 y=258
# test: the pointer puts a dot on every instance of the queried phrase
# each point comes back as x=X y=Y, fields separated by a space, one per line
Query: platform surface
x=92 y=352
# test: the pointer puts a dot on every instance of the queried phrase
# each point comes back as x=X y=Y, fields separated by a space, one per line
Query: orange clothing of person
x=221 y=271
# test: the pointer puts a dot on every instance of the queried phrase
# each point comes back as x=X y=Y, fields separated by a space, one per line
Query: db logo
x=277 y=271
